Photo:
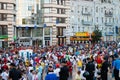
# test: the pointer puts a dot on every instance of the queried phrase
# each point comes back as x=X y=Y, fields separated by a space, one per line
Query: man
x=116 y=67
x=64 y=71
x=14 y=74
x=90 y=68
x=104 y=69
x=51 y=75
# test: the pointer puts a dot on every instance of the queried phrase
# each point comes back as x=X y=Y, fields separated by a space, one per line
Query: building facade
x=55 y=18
x=51 y=22
x=28 y=28
x=88 y=15
x=7 y=21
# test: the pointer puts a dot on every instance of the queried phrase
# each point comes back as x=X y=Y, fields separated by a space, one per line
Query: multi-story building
x=55 y=19
x=7 y=21
x=28 y=28
x=52 y=21
x=88 y=15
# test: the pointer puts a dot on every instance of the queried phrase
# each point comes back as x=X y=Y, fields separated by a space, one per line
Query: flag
x=35 y=26
x=26 y=27
x=44 y=25
x=57 y=21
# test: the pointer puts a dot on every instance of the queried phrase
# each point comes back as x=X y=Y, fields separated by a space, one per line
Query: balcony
x=8 y=11
x=108 y=14
x=8 y=1
x=86 y=13
x=50 y=5
x=88 y=23
x=109 y=24
x=55 y=15
x=109 y=33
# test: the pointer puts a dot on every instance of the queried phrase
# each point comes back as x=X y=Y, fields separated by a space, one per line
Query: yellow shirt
x=79 y=63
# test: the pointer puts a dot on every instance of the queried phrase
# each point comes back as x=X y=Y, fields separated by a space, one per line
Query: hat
x=12 y=64
x=57 y=65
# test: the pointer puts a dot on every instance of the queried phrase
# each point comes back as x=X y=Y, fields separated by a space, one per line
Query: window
x=48 y=19
x=29 y=8
x=61 y=2
x=3 y=6
x=60 y=11
x=61 y=20
x=101 y=10
x=96 y=9
x=102 y=19
x=47 y=31
x=47 y=1
x=38 y=32
x=3 y=30
x=97 y=19
x=3 y=17
x=25 y=33
x=113 y=20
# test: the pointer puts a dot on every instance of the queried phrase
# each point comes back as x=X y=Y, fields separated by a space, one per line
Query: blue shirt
x=51 y=76
x=116 y=64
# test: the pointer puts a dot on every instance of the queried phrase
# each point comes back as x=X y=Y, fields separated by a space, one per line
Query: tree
x=96 y=35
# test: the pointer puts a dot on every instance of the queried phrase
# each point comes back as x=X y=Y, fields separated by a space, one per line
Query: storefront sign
x=81 y=34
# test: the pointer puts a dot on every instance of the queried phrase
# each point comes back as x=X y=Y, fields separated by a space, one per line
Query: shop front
x=80 y=37
x=3 y=41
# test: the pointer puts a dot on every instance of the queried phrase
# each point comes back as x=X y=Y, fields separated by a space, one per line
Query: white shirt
x=56 y=71
x=81 y=75
x=4 y=75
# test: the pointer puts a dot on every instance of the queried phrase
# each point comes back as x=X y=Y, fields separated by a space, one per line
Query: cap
x=12 y=64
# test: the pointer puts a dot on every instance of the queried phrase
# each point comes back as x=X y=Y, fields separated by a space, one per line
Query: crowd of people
x=81 y=61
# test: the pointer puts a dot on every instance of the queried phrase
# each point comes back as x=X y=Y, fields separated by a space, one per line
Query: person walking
x=116 y=67
x=64 y=71
x=90 y=68
x=104 y=69
x=14 y=74
x=51 y=75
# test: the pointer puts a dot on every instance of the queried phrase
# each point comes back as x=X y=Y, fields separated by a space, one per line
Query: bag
x=86 y=73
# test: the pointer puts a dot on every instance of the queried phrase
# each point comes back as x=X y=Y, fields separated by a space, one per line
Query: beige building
x=7 y=21
x=55 y=16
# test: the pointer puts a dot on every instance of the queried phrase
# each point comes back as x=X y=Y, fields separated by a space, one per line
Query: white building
x=87 y=15
x=28 y=30
x=47 y=32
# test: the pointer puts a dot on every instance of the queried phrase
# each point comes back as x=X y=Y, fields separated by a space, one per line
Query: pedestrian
x=77 y=77
x=14 y=74
x=57 y=70
x=90 y=68
x=116 y=67
x=4 y=75
x=64 y=71
x=104 y=69
x=51 y=75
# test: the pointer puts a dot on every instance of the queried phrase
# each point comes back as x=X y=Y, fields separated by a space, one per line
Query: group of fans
x=82 y=61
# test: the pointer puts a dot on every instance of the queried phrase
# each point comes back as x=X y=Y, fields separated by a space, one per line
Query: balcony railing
x=86 y=13
x=108 y=24
x=108 y=14
x=86 y=22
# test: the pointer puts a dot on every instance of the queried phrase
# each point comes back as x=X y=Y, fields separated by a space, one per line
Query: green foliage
x=96 y=35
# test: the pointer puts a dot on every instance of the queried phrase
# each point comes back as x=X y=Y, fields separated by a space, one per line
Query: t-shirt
x=14 y=74
x=4 y=75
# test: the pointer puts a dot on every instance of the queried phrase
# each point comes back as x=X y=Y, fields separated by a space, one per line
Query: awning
x=82 y=34
x=3 y=36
